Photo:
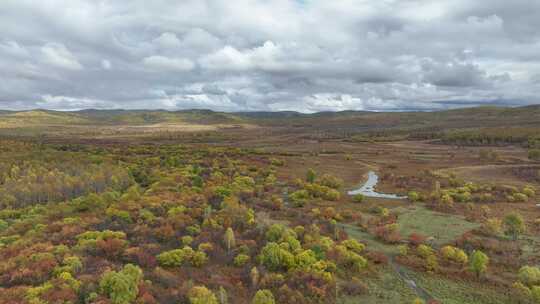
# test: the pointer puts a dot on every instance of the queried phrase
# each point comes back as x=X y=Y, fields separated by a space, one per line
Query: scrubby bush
x=354 y=245
x=299 y=197
x=205 y=247
x=89 y=202
x=424 y=251
x=263 y=296
x=358 y=198
x=403 y=250
x=388 y=233
x=241 y=260
x=172 y=258
x=177 y=257
x=121 y=287
x=431 y=263
x=280 y=233
x=534 y=154
x=521 y=289
x=275 y=257
x=446 y=199
x=529 y=191
x=493 y=226
x=176 y=211
x=110 y=243
x=331 y=195
x=529 y=275
x=350 y=259
x=198 y=259
x=187 y=240
x=277 y=162
x=413 y=196
x=118 y=215
x=70 y=264
x=331 y=181
x=305 y=259
x=519 y=197
x=535 y=292
x=454 y=254
x=201 y=295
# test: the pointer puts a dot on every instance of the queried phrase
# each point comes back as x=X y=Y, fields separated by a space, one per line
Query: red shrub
x=377 y=257
x=111 y=248
x=417 y=238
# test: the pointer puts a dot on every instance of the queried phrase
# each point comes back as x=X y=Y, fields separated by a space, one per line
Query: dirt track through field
x=421 y=292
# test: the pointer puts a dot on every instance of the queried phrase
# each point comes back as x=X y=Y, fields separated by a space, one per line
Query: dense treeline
x=33 y=175
x=527 y=137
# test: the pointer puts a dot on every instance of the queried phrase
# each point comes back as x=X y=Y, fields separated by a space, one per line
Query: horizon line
x=279 y=111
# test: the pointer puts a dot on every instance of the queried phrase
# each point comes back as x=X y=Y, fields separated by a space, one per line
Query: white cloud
x=58 y=55
x=106 y=64
x=162 y=63
x=12 y=48
x=199 y=39
x=71 y=103
x=227 y=58
x=266 y=55
x=168 y=41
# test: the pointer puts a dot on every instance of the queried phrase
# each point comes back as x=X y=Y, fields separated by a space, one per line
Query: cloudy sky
x=252 y=55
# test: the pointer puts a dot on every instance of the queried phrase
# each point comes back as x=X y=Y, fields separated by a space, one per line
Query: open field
x=443 y=228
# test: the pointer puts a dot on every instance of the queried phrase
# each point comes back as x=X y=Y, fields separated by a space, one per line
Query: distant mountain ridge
x=486 y=116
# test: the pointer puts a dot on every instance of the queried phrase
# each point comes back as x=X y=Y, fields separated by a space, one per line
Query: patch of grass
x=530 y=246
x=386 y=287
x=460 y=292
x=443 y=227
x=371 y=242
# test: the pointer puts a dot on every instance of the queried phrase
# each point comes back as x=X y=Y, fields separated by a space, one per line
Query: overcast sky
x=240 y=55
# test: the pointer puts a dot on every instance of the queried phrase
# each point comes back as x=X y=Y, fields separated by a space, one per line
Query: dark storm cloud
x=268 y=55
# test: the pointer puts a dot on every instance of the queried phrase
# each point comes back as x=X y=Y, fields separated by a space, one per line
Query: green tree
x=311 y=175
x=515 y=225
x=121 y=287
x=263 y=296
x=275 y=258
x=478 y=262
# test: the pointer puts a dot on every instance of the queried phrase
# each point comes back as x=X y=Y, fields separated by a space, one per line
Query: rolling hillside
x=346 y=122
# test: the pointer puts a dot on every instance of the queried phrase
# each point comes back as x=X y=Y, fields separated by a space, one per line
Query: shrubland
x=148 y=224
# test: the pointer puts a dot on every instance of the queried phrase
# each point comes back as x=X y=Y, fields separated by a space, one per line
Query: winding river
x=368 y=189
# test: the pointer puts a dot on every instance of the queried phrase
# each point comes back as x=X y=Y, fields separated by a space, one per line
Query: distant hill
x=115 y=117
x=346 y=120
x=159 y=116
x=41 y=117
